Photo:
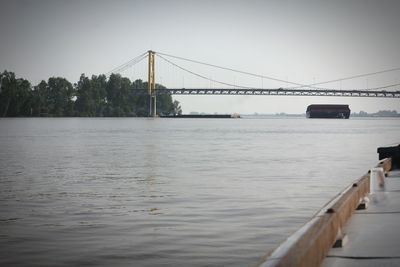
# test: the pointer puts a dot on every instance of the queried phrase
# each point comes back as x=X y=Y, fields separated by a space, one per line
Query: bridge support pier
x=152 y=85
x=152 y=106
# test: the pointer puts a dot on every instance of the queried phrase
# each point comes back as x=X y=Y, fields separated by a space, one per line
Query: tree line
x=380 y=113
x=94 y=96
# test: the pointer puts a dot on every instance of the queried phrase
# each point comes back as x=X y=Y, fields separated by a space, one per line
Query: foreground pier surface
x=374 y=233
x=360 y=227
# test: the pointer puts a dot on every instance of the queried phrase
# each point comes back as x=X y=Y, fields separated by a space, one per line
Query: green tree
x=99 y=84
x=60 y=98
x=40 y=99
x=123 y=98
x=165 y=104
x=84 y=104
x=140 y=102
x=118 y=100
x=15 y=95
x=95 y=96
x=112 y=89
x=91 y=96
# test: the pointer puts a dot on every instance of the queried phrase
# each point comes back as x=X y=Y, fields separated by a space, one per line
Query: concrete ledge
x=308 y=246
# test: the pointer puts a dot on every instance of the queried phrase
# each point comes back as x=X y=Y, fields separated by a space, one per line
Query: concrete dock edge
x=309 y=245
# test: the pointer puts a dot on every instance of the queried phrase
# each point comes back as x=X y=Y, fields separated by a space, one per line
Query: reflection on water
x=165 y=192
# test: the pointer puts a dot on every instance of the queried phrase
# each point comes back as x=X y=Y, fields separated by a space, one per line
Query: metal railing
x=274 y=92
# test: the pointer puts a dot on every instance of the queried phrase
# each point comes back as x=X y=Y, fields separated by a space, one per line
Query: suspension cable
x=383 y=87
x=128 y=64
x=353 y=77
x=200 y=75
x=230 y=69
x=144 y=55
x=247 y=87
x=298 y=85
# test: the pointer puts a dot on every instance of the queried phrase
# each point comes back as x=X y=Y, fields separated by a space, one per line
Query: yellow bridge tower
x=152 y=85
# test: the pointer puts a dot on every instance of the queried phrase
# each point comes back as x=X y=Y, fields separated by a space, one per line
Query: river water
x=171 y=192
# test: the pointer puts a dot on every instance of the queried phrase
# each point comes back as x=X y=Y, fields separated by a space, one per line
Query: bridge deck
x=274 y=92
x=373 y=234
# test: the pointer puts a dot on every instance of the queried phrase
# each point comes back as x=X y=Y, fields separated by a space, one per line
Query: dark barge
x=203 y=116
x=328 y=111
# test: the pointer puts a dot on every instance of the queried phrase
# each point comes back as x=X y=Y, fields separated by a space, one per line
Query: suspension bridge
x=226 y=88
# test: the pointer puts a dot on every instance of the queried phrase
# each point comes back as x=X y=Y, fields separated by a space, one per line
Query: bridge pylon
x=152 y=85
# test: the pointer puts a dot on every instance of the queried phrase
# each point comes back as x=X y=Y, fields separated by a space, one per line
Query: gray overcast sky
x=300 y=41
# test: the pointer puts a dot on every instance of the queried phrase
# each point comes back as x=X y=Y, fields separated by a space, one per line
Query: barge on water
x=203 y=116
x=328 y=111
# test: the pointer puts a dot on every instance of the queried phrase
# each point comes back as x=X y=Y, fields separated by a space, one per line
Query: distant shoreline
x=304 y=115
x=207 y=116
